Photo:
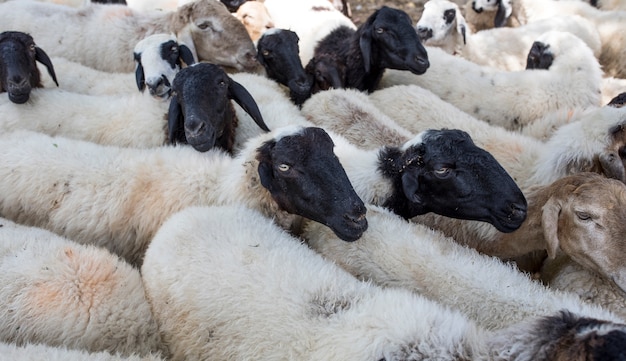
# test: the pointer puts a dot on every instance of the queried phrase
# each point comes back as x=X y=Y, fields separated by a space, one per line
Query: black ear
x=266 y=175
x=43 y=58
x=365 y=42
x=462 y=27
x=245 y=100
x=185 y=54
x=140 y=78
x=501 y=18
x=410 y=186
x=175 y=123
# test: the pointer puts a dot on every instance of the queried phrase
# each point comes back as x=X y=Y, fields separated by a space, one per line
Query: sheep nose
x=424 y=33
x=194 y=129
x=422 y=62
x=518 y=212
x=477 y=10
x=154 y=84
x=18 y=83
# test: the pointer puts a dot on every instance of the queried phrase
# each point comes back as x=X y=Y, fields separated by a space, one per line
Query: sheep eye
x=204 y=25
x=442 y=171
x=283 y=167
x=174 y=49
x=583 y=216
x=222 y=83
x=448 y=15
x=380 y=30
x=33 y=47
x=265 y=52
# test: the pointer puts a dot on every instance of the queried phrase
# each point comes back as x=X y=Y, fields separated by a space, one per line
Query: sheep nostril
x=518 y=211
x=424 y=33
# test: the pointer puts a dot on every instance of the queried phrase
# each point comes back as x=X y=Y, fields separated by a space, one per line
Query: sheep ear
x=184 y=37
x=43 y=58
x=550 y=224
x=503 y=13
x=245 y=100
x=175 y=121
x=140 y=77
x=365 y=43
x=410 y=186
x=186 y=54
x=266 y=175
x=461 y=27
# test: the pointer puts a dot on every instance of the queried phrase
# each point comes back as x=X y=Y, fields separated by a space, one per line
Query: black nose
x=518 y=212
x=424 y=33
x=475 y=9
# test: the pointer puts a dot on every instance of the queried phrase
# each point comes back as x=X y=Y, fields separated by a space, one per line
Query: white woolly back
x=287 y=130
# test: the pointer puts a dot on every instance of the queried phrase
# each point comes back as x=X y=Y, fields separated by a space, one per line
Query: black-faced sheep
x=18 y=65
x=386 y=40
x=61 y=293
x=118 y=197
x=277 y=51
x=103 y=36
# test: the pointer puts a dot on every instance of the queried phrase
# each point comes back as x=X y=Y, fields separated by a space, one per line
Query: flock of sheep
x=266 y=180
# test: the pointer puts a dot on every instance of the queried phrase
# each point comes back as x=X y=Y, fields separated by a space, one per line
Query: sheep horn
x=43 y=58
x=245 y=100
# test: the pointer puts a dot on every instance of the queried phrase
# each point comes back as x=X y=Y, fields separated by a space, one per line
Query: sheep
x=34 y=352
x=140 y=120
x=618 y=101
x=277 y=52
x=158 y=58
x=610 y=24
x=386 y=40
x=443 y=25
x=61 y=293
x=118 y=197
x=103 y=36
x=255 y=17
x=281 y=300
x=515 y=98
x=398 y=254
x=18 y=69
x=312 y=20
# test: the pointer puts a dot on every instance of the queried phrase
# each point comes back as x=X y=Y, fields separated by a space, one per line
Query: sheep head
x=442 y=20
x=444 y=172
x=387 y=39
x=255 y=17
x=585 y=217
x=18 y=68
x=200 y=112
x=503 y=9
x=158 y=58
x=304 y=176
x=278 y=52
x=214 y=35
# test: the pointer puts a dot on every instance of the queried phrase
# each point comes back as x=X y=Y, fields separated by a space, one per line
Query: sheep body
x=204 y=264
x=102 y=36
x=501 y=48
x=61 y=293
x=118 y=197
x=572 y=81
x=34 y=352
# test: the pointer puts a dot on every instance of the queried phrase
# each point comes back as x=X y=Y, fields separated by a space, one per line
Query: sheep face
x=389 y=39
x=157 y=60
x=540 y=56
x=503 y=9
x=328 y=72
x=201 y=114
x=586 y=218
x=440 y=19
x=278 y=52
x=217 y=36
x=305 y=177
x=18 y=69
x=255 y=17
x=444 y=172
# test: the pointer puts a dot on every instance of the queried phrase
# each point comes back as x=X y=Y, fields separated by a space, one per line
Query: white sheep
x=37 y=352
x=312 y=20
x=61 y=293
x=158 y=58
x=227 y=283
x=103 y=36
x=515 y=98
x=118 y=197
x=136 y=119
x=442 y=25
x=255 y=17
x=395 y=253
x=610 y=24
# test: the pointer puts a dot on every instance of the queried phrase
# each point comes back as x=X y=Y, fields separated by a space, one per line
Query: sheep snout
x=424 y=33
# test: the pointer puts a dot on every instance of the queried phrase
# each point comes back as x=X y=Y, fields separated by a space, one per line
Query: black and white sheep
x=277 y=52
x=158 y=58
x=18 y=65
x=141 y=120
x=103 y=36
x=386 y=40
x=118 y=197
x=61 y=293
x=516 y=98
